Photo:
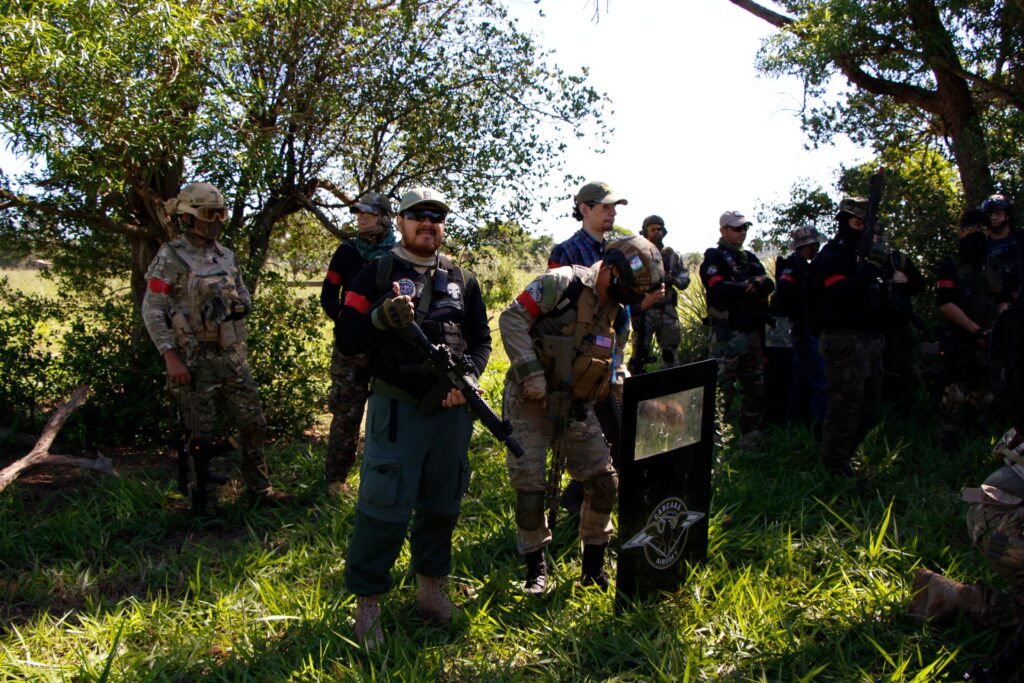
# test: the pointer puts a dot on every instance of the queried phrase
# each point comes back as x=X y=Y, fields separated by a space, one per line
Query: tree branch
x=772 y=17
x=10 y=200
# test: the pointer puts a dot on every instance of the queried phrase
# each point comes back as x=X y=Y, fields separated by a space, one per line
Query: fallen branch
x=40 y=454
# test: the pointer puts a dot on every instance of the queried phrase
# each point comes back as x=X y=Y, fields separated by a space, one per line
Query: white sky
x=697 y=132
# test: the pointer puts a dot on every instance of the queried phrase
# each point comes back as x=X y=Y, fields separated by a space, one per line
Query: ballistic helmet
x=201 y=200
x=997 y=202
x=652 y=220
x=853 y=206
x=638 y=262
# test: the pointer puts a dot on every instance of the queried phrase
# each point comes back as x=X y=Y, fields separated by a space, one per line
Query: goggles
x=211 y=214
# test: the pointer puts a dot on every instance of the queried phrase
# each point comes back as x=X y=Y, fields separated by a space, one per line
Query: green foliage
x=26 y=356
x=289 y=352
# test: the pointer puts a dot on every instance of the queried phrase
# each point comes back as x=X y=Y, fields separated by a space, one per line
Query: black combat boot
x=593 y=567
x=536 y=573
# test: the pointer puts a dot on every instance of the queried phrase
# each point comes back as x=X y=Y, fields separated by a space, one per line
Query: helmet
x=203 y=201
x=853 y=206
x=974 y=217
x=639 y=264
x=652 y=220
x=997 y=202
x=803 y=236
x=372 y=202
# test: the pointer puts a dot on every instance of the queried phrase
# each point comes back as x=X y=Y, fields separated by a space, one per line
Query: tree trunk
x=276 y=209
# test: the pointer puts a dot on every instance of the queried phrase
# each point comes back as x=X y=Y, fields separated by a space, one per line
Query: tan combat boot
x=367 y=629
x=936 y=598
x=432 y=603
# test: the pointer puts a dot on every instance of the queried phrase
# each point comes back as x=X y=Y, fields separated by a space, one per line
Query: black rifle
x=453 y=373
x=871 y=229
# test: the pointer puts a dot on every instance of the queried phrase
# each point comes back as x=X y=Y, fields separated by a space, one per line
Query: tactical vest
x=442 y=287
x=979 y=288
x=210 y=291
x=580 y=326
x=748 y=310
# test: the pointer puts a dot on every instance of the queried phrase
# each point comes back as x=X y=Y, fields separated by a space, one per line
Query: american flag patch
x=603 y=342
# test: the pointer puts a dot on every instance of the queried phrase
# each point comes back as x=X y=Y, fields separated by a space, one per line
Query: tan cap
x=732 y=219
x=418 y=196
x=599 y=193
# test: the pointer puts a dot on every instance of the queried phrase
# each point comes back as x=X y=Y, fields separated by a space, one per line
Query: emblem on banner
x=664 y=536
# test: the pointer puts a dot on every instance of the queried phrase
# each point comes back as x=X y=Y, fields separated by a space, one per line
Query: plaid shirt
x=579 y=250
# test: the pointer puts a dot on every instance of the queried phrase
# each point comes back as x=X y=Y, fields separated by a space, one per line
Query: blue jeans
x=808 y=390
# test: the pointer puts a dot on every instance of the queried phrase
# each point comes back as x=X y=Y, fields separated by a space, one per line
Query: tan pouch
x=591 y=378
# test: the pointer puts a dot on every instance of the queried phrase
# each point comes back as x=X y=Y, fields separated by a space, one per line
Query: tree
x=280 y=103
x=930 y=72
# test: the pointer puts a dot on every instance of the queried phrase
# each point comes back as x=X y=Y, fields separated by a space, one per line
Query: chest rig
x=575 y=341
x=203 y=311
x=980 y=286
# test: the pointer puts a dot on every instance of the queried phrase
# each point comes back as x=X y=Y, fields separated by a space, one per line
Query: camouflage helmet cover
x=195 y=196
x=638 y=262
x=803 y=236
x=853 y=206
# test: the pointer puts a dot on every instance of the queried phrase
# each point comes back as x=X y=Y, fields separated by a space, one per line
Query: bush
x=290 y=353
x=26 y=359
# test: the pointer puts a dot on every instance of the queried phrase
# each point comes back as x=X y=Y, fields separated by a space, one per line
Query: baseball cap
x=732 y=219
x=599 y=193
x=372 y=202
x=418 y=196
x=853 y=206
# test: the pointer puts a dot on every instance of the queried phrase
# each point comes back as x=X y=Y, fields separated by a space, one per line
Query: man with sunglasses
x=194 y=310
x=415 y=465
x=561 y=337
x=971 y=292
x=350 y=374
x=737 y=289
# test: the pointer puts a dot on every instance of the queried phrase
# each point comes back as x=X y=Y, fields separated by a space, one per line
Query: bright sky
x=697 y=132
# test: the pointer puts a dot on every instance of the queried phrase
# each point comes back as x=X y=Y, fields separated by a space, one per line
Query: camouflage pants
x=853 y=365
x=587 y=460
x=998 y=532
x=662 y=323
x=740 y=365
x=966 y=391
x=350 y=386
x=224 y=388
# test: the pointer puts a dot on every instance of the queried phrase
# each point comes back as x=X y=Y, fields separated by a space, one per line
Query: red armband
x=529 y=303
x=357 y=301
x=333 y=278
x=714 y=280
x=831 y=280
x=160 y=287
x=947 y=284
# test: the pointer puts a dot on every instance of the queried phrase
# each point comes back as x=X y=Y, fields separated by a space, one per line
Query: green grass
x=806 y=580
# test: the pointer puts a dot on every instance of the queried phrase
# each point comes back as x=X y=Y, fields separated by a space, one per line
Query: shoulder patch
x=406 y=287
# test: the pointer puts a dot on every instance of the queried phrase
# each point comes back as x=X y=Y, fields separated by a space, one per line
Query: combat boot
x=536 y=573
x=367 y=629
x=432 y=603
x=593 y=567
x=936 y=598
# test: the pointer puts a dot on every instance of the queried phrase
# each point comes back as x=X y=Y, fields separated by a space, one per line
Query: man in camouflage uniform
x=971 y=292
x=996 y=527
x=737 y=289
x=661 y=320
x=564 y=335
x=194 y=311
x=350 y=375
x=847 y=299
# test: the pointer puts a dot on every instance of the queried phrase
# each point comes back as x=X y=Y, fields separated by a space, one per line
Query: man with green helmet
x=565 y=335
x=350 y=374
x=194 y=310
x=661 y=320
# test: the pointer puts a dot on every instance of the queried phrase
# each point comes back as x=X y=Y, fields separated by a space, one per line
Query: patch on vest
x=454 y=291
x=665 y=534
x=712 y=270
x=636 y=264
x=535 y=290
x=603 y=342
x=406 y=287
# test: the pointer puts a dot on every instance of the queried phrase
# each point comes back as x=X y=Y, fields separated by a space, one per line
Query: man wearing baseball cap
x=415 y=464
x=808 y=387
x=737 y=289
x=350 y=375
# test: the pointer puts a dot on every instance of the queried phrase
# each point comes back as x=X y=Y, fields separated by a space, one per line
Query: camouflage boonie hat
x=638 y=261
x=372 y=202
x=599 y=193
x=853 y=206
x=804 y=235
x=422 y=195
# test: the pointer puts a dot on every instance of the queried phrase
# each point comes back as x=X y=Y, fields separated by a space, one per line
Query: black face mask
x=620 y=294
x=847 y=234
x=973 y=247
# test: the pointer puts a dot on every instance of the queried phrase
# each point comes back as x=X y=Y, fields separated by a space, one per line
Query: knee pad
x=529 y=510
x=601 y=491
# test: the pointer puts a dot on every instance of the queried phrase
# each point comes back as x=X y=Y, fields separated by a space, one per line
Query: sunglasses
x=210 y=214
x=739 y=228
x=425 y=215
